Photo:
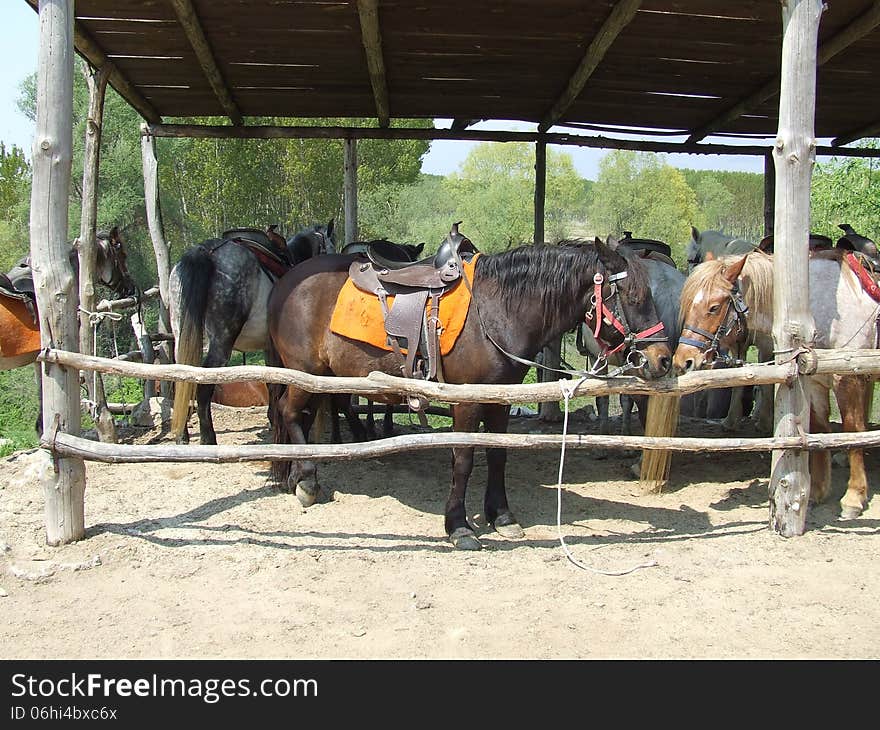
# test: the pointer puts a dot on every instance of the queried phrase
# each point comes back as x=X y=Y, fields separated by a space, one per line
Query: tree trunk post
x=793 y=327
x=349 y=190
x=160 y=245
x=87 y=246
x=63 y=479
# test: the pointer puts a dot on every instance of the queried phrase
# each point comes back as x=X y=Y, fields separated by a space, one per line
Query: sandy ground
x=187 y=561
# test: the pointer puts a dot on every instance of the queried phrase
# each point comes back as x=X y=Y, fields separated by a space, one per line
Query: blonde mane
x=756 y=277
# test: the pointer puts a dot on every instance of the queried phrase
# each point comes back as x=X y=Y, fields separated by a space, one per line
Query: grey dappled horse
x=219 y=290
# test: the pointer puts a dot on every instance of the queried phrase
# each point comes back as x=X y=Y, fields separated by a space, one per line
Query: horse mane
x=545 y=272
x=756 y=276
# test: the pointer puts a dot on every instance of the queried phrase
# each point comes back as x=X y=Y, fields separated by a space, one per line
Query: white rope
x=567 y=393
x=95 y=319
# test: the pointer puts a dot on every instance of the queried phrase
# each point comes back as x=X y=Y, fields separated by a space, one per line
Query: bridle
x=734 y=321
x=117 y=266
x=599 y=311
x=326 y=245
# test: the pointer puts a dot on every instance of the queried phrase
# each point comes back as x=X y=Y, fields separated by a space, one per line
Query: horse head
x=623 y=317
x=712 y=313
x=112 y=267
x=310 y=242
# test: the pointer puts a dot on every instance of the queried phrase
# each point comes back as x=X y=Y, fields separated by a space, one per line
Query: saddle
x=18 y=284
x=409 y=322
x=648 y=248
x=268 y=246
x=817 y=242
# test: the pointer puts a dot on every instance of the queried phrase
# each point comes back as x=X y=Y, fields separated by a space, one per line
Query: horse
x=345 y=404
x=521 y=299
x=716 y=242
x=723 y=300
x=218 y=293
x=19 y=323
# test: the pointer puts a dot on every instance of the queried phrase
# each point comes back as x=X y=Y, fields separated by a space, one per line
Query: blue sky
x=18 y=59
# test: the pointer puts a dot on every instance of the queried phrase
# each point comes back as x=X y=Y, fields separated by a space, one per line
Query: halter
x=600 y=312
x=734 y=317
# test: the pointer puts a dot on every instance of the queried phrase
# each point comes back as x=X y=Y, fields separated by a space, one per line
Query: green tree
x=847 y=190
x=640 y=192
x=493 y=194
x=729 y=201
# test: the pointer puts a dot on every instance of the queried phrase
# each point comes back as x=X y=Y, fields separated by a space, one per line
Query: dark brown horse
x=521 y=299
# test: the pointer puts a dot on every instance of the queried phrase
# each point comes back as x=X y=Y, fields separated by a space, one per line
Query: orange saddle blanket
x=19 y=334
x=358 y=314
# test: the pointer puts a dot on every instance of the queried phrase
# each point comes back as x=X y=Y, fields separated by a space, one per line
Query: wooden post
x=551 y=355
x=540 y=188
x=794 y=156
x=63 y=479
x=349 y=190
x=769 y=193
x=160 y=245
x=87 y=246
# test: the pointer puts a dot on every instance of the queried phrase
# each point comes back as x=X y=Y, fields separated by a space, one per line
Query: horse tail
x=280 y=470
x=195 y=272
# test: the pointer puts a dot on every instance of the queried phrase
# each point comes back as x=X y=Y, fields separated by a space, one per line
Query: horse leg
x=820 y=461
x=495 y=507
x=852 y=393
x=465 y=417
x=38 y=374
x=388 y=422
x=626 y=405
x=301 y=476
x=734 y=411
x=358 y=433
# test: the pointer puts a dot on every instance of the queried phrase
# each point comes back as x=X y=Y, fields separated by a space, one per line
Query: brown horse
x=522 y=298
x=727 y=300
x=19 y=324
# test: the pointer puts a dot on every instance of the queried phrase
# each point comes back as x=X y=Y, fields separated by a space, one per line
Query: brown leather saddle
x=268 y=246
x=18 y=284
x=410 y=322
x=648 y=248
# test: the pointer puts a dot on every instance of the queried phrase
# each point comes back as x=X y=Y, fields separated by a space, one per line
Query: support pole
x=349 y=190
x=160 y=245
x=794 y=155
x=63 y=479
x=87 y=246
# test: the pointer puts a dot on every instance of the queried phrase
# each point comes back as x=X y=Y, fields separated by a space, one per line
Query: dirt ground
x=199 y=561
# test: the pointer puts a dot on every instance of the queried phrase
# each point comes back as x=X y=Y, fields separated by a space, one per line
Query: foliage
x=847 y=190
x=732 y=202
x=18 y=409
x=639 y=192
x=15 y=176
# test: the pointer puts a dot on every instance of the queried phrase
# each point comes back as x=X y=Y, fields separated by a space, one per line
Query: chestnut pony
x=521 y=299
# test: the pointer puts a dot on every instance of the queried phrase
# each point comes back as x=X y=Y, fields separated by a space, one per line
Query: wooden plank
x=54 y=278
x=186 y=14
x=187 y=453
x=793 y=325
x=371 y=37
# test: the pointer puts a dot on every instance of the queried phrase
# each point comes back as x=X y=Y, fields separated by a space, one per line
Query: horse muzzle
x=657 y=361
x=688 y=358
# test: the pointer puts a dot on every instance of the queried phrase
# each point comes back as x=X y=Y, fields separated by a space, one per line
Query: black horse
x=521 y=299
x=219 y=291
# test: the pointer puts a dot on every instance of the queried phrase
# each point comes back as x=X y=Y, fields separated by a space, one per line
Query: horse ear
x=611 y=242
x=419 y=248
x=709 y=256
x=695 y=234
x=732 y=272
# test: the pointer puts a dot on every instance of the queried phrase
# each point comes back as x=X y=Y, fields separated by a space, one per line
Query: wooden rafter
x=188 y=19
x=620 y=17
x=872 y=130
x=860 y=27
x=94 y=54
x=462 y=123
x=371 y=36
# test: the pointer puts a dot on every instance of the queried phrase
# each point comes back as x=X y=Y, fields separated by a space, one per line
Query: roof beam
x=872 y=130
x=476 y=135
x=188 y=19
x=462 y=123
x=94 y=54
x=620 y=17
x=371 y=36
x=860 y=27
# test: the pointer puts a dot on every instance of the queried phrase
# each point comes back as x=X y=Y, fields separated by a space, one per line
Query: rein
x=734 y=317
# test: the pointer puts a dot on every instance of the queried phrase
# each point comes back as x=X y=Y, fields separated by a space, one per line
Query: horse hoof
x=506 y=525
x=850 y=513
x=307 y=492
x=465 y=539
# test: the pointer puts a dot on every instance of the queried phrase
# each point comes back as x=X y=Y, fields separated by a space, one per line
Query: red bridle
x=602 y=312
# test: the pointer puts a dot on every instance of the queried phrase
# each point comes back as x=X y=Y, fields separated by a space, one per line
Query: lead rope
x=567 y=393
x=95 y=319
